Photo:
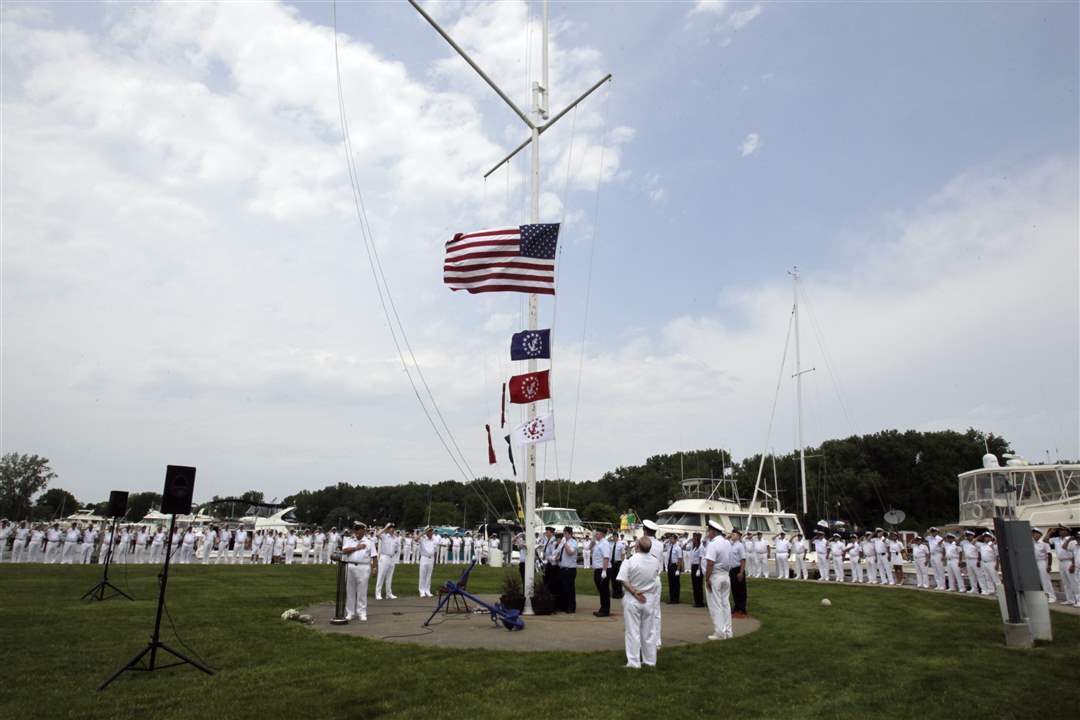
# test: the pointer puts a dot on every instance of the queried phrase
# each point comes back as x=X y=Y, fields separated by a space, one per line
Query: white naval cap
x=650 y=525
x=716 y=526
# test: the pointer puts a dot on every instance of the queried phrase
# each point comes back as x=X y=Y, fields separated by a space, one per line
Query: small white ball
x=825 y=602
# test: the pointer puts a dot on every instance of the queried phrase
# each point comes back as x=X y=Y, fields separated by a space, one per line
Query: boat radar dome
x=990 y=461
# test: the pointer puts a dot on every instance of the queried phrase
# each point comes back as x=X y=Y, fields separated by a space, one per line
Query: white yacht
x=705 y=499
x=558 y=518
x=1044 y=495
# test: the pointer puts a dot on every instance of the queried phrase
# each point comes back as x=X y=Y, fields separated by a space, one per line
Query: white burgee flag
x=539 y=429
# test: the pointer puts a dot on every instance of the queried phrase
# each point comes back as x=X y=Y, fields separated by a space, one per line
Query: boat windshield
x=688 y=519
x=789 y=524
x=757 y=523
x=558 y=516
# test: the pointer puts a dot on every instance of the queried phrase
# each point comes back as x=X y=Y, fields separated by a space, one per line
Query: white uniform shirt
x=1042 y=552
x=72 y=536
x=189 y=538
x=53 y=536
x=640 y=571
x=601 y=551
x=920 y=551
x=361 y=556
x=952 y=551
x=568 y=553
x=389 y=545
x=719 y=551
x=821 y=548
x=800 y=547
x=783 y=546
x=429 y=546
x=672 y=554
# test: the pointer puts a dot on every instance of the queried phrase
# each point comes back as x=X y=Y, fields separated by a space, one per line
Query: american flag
x=520 y=259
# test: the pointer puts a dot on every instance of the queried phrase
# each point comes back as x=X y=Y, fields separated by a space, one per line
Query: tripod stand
x=98 y=591
x=155 y=644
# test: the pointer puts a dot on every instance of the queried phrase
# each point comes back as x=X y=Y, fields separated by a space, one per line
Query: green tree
x=54 y=503
x=340 y=517
x=21 y=478
x=600 y=512
x=445 y=513
x=139 y=504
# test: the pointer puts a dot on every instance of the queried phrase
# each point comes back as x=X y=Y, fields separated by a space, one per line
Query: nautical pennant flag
x=530 y=345
x=539 y=429
x=530 y=387
x=491 y=450
x=520 y=259
x=510 y=451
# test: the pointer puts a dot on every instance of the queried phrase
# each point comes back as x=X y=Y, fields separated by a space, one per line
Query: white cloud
x=750 y=145
x=727 y=17
x=657 y=193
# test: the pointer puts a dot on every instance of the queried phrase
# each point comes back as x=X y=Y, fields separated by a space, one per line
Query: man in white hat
x=649 y=529
x=954 y=576
x=356 y=551
x=718 y=581
x=782 y=548
x=639 y=576
x=881 y=550
x=836 y=555
x=1042 y=560
x=937 y=557
x=821 y=555
x=428 y=548
x=389 y=545
x=970 y=559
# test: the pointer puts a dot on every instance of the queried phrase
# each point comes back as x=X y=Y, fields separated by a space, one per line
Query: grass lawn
x=875 y=653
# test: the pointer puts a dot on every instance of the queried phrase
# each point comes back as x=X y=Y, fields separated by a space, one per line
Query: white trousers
x=938 y=566
x=1070 y=583
x=140 y=554
x=206 y=548
x=856 y=570
x=426 y=566
x=289 y=553
x=385 y=579
x=305 y=555
x=156 y=552
x=885 y=570
x=357 y=577
x=871 y=570
x=85 y=551
x=972 y=576
x=186 y=553
x=822 y=568
x=985 y=576
x=719 y=603
x=17 y=551
x=802 y=569
x=838 y=568
x=763 y=566
x=954 y=576
x=782 y=569
x=1047 y=585
x=922 y=574
x=121 y=553
x=69 y=554
x=638 y=621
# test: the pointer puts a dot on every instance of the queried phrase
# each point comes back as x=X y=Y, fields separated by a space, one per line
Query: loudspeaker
x=118 y=503
x=179 y=487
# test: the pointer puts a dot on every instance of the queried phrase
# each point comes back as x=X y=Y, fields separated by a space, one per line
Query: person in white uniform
x=782 y=548
x=239 y=546
x=985 y=565
x=1071 y=569
x=428 y=548
x=36 y=551
x=332 y=540
x=761 y=550
x=71 y=542
x=318 y=546
x=802 y=566
x=954 y=556
x=881 y=551
x=937 y=557
x=866 y=546
x=6 y=530
x=836 y=556
x=854 y=554
x=821 y=555
x=209 y=539
x=657 y=551
x=18 y=546
x=86 y=547
x=920 y=556
x=290 y=547
x=639 y=576
x=187 y=550
x=389 y=546
x=718 y=581
x=1065 y=549
x=224 y=555
x=356 y=551
x=1041 y=548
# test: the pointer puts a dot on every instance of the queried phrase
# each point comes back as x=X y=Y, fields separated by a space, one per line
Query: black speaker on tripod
x=117 y=509
x=175 y=500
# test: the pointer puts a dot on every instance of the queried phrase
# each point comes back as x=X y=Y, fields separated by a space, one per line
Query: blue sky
x=183 y=278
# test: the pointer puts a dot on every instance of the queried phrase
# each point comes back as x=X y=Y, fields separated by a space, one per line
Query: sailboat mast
x=540 y=110
x=798 y=388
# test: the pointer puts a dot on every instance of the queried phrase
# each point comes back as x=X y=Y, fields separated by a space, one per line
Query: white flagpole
x=536 y=127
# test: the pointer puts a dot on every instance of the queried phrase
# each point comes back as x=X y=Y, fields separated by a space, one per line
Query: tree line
x=856 y=479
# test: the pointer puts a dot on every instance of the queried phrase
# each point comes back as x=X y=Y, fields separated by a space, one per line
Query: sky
x=185 y=280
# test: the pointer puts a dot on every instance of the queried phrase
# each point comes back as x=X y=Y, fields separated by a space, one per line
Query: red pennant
x=491 y=450
x=502 y=407
x=530 y=387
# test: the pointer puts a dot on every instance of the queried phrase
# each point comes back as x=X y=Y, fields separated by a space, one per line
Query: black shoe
x=601 y=614
x=700 y=605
